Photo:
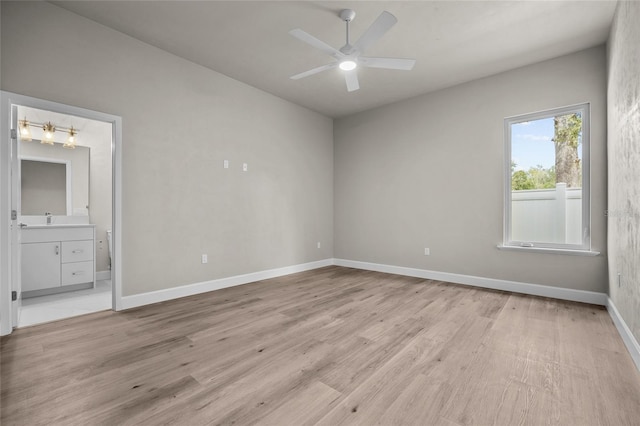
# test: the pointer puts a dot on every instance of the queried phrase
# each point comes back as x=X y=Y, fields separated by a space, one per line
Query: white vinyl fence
x=547 y=215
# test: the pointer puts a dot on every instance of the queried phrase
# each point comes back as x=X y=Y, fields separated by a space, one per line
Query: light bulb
x=49 y=130
x=348 y=65
x=71 y=139
x=25 y=132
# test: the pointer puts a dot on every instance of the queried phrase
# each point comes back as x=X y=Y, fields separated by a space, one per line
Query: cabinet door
x=40 y=266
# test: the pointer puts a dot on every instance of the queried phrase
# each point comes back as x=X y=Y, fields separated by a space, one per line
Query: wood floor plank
x=369 y=401
x=304 y=408
x=419 y=403
x=333 y=346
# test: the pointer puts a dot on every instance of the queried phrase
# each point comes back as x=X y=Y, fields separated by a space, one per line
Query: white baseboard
x=592 y=297
x=513 y=286
x=625 y=332
x=203 y=287
x=103 y=275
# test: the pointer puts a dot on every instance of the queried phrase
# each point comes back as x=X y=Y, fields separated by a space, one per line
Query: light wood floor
x=331 y=346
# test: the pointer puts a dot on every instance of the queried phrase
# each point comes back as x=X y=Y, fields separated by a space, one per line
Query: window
x=547 y=179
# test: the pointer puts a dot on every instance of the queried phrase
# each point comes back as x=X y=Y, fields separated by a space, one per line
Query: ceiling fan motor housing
x=347 y=15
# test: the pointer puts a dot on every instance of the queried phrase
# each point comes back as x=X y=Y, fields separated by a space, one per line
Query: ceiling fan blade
x=318 y=44
x=351 y=77
x=314 y=71
x=388 y=63
x=380 y=26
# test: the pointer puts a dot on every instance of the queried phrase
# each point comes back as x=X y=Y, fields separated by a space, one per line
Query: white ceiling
x=453 y=41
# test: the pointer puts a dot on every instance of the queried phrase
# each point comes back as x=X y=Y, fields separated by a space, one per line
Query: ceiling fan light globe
x=348 y=65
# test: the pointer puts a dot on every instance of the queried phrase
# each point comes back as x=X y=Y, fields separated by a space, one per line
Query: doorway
x=83 y=239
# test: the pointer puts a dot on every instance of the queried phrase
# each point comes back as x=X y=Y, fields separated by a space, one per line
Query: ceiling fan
x=348 y=57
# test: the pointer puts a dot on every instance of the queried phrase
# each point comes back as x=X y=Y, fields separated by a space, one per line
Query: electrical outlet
x=245 y=167
x=318 y=244
x=204 y=258
x=225 y=164
x=427 y=252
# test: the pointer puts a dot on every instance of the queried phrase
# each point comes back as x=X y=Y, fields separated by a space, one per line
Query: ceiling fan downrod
x=347 y=16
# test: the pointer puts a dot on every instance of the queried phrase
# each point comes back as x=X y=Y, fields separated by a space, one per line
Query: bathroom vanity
x=57 y=258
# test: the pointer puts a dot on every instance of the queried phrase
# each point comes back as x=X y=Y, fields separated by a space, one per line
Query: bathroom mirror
x=54 y=179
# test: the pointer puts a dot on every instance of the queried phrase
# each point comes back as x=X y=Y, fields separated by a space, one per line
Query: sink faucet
x=48 y=215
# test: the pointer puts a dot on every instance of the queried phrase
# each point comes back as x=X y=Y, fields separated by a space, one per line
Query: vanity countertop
x=57 y=233
x=60 y=225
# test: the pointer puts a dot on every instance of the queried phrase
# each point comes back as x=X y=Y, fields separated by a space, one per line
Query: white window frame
x=548 y=247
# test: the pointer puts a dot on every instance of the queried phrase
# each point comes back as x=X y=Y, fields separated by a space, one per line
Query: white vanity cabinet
x=40 y=266
x=56 y=256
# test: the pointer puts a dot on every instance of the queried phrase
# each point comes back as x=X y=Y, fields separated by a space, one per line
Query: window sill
x=549 y=250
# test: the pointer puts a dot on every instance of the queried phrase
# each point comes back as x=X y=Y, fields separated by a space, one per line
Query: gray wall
x=428 y=172
x=624 y=163
x=180 y=121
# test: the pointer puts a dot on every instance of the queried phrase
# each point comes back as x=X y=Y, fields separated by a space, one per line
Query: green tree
x=520 y=181
x=567 y=131
x=542 y=178
x=535 y=178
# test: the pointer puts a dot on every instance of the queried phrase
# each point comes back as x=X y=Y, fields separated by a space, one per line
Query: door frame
x=7 y=99
x=16 y=230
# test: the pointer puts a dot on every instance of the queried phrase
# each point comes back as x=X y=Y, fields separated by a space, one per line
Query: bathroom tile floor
x=37 y=310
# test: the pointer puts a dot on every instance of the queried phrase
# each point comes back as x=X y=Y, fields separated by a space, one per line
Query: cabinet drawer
x=77 y=251
x=76 y=273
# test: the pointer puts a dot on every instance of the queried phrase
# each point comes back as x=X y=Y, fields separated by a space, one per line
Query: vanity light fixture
x=25 y=131
x=71 y=139
x=48 y=129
